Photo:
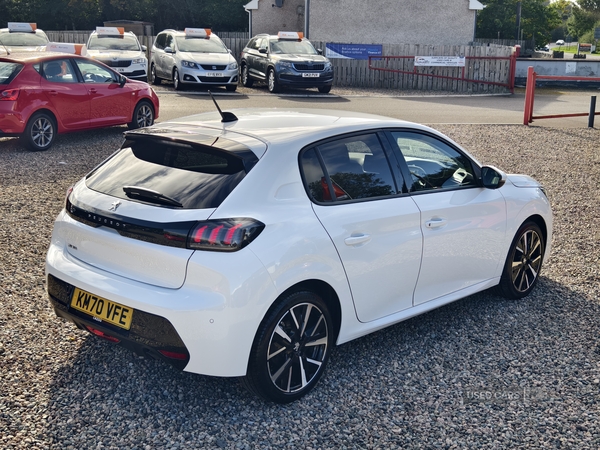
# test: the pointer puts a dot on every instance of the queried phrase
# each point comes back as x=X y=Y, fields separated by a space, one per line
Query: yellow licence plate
x=101 y=308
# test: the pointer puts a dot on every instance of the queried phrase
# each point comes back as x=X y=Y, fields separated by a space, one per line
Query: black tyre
x=176 y=81
x=246 y=80
x=40 y=132
x=143 y=116
x=153 y=78
x=324 y=89
x=524 y=262
x=291 y=348
x=231 y=87
x=272 y=83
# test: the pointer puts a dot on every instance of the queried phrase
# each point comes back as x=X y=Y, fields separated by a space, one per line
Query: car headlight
x=232 y=66
x=286 y=64
x=138 y=61
x=189 y=64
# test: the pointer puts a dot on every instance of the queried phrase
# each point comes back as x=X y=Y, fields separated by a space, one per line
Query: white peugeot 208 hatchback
x=249 y=243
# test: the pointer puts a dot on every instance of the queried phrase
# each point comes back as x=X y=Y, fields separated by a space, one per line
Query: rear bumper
x=11 y=124
x=148 y=335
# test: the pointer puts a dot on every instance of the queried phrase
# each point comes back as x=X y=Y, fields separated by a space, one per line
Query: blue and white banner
x=352 y=51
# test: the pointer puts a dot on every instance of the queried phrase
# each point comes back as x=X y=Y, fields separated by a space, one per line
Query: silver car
x=120 y=50
x=192 y=57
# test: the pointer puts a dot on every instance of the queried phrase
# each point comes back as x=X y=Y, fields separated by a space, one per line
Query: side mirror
x=144 y=48
x=169 y=50
x=262 y=50
x=492 y=178
x=122 y=81
x=320 y=51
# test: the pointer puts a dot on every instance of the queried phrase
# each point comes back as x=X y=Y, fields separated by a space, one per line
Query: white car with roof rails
x=193 y=57
x=22 y=37
x=119 y=50
x=249 y=243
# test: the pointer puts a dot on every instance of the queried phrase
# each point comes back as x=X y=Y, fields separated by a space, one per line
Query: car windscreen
x=200 y=45
x=292 y=47
x=123 y=43
x=8 y=71
x=192 y=175
x=23 y=39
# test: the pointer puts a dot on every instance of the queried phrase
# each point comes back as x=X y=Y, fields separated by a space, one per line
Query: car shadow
x=429 y=361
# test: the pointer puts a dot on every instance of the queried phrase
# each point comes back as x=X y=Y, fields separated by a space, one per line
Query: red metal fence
x=503 y=78
x=532 y=77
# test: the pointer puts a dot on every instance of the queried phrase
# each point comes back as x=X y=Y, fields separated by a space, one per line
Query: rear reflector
x=227 y=235
x=102 y=335
x=173 y=355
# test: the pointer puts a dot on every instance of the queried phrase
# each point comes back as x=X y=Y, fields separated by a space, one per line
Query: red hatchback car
x=45 y=93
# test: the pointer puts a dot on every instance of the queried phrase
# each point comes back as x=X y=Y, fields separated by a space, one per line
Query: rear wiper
x=150 y=196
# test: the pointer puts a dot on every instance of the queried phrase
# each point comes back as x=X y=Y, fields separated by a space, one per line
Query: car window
x=169 y=41
x=59 y=71
x=434 y=164
x=200 y=45
x=160 y=41
x=94 y=73
x=24 y=39
x=122 y=43
x=292 y=47
x=8 y=71
x=262 y=43
x=356 y=168
x=196 y=176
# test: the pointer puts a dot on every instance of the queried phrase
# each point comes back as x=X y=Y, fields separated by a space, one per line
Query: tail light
x=9 y=95
x=226 y=235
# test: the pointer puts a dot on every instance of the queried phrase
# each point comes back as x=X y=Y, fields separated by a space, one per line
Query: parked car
x=120 y=50
x=22 y=37
x=285 y=60
x=250 y=248
x=195 y=57
x=45 y=93
x=560 y=42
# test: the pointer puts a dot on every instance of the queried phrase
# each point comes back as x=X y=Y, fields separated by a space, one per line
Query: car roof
x=275 y=126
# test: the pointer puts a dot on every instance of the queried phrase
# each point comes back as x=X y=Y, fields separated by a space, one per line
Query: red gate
x=510 y=84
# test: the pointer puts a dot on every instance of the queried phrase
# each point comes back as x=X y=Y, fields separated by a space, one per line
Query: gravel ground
x=482 y=372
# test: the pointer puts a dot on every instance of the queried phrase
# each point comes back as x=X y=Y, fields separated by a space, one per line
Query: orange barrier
x=532 y=77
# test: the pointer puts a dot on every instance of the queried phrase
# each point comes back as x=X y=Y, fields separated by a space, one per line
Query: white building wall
x=448 y=22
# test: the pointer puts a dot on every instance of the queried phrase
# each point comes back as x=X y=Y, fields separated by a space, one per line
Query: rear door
x=373 y=225
x=68 y=96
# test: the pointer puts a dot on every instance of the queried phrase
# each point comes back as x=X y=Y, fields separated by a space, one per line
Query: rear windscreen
x=196 y=176
x=8 y=71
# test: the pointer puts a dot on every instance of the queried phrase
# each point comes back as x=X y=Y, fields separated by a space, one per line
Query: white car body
x=22 y=41
x=130 y=63
x=206 y=68
x=385 y=260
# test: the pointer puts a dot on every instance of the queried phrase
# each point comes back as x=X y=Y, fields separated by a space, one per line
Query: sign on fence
x=352 y=51
x=440 y=61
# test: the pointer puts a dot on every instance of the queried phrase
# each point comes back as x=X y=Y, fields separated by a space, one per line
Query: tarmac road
x=429 y=109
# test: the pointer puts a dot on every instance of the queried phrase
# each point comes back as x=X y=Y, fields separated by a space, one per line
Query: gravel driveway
x=482 y=372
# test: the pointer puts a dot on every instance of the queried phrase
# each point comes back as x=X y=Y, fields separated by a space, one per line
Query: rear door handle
x=93 y=90
x=436 y=223
x=53 y=92
x=356 y=240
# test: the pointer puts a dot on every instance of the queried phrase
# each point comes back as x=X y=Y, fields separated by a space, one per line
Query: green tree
x=581 y=21
x=499 y=19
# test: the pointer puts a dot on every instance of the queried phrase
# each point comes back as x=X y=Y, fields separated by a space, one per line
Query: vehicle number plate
x=120 y=69
x=102 y=309
x=310 y=75
x=213 y=74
